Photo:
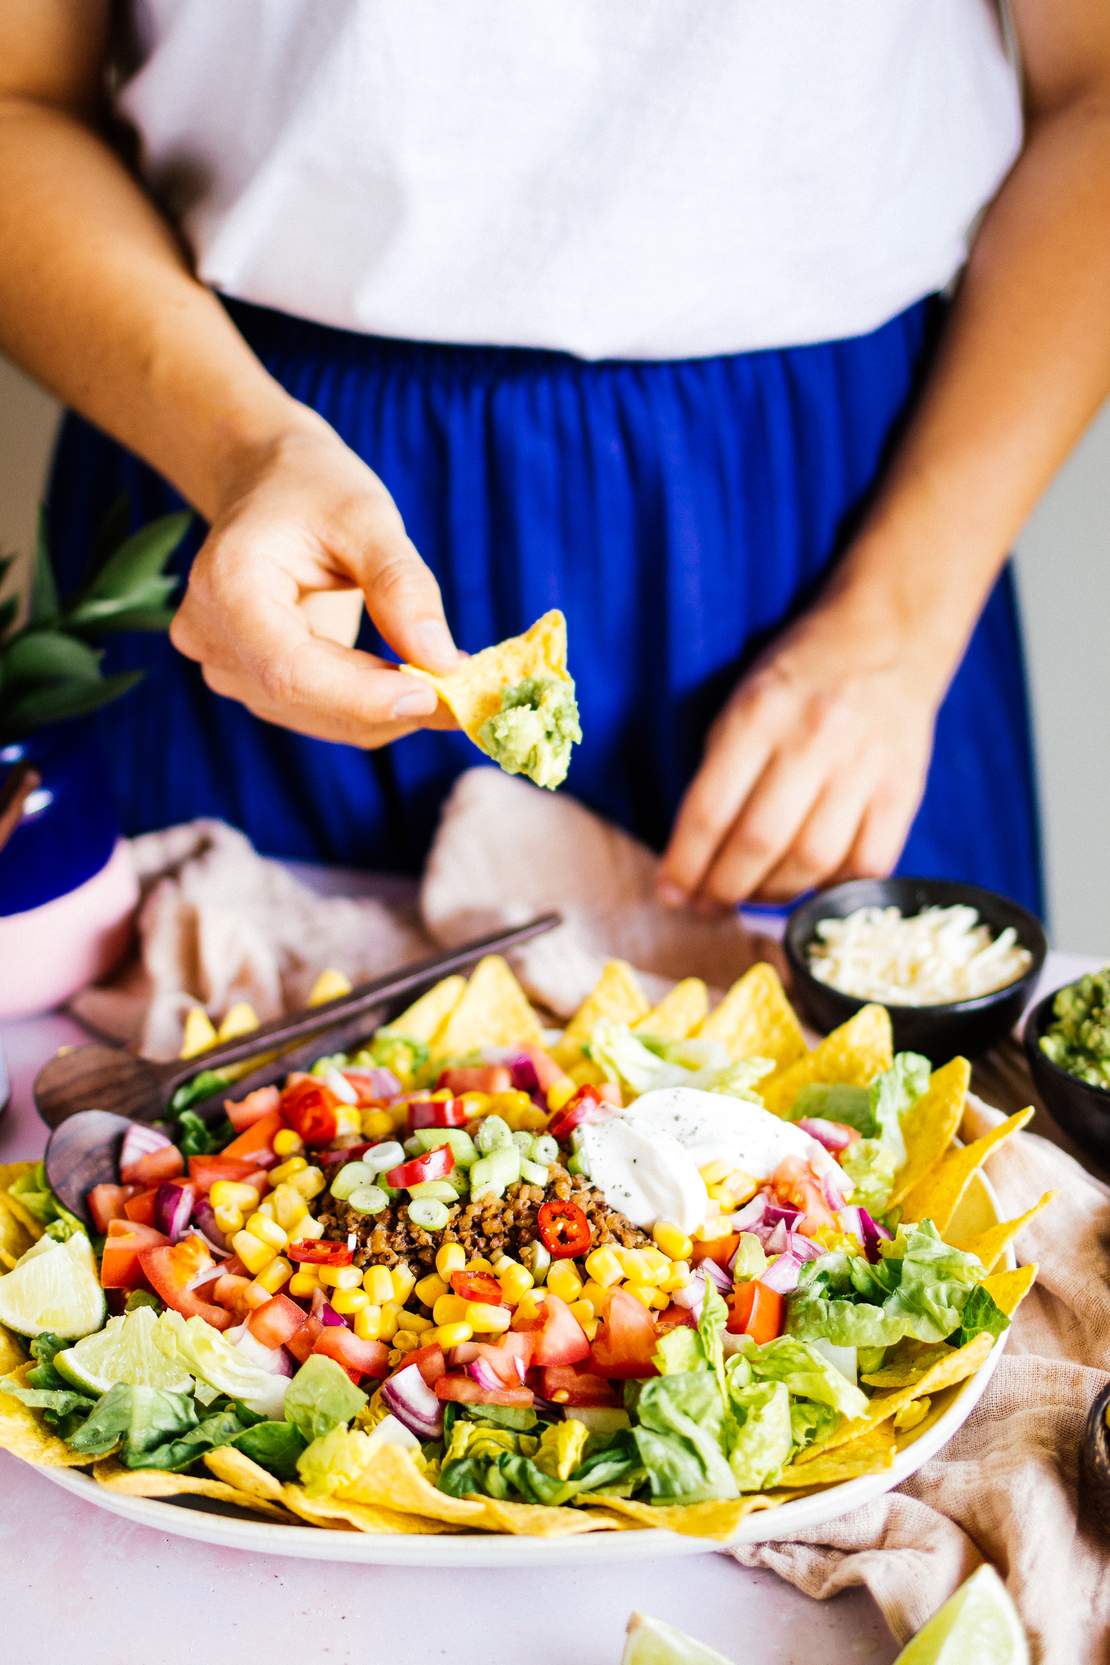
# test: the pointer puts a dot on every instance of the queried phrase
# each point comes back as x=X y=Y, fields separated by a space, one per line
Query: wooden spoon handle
x=285 y=1031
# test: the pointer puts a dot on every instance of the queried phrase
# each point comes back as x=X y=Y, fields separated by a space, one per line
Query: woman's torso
x=632 y=179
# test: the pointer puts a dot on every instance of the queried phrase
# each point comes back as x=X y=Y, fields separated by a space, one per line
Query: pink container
x=49 y=952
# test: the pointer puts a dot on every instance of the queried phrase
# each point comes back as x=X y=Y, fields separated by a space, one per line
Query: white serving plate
x=193 y=1518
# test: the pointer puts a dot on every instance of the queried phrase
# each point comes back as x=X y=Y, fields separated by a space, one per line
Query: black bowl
x=940 y=1032
x=1081 y=1109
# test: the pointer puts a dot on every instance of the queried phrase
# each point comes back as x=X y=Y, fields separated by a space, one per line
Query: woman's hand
x=813 y=770
x=304 y=535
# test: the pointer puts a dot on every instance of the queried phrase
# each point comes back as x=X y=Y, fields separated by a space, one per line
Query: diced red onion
x=834 y=1195
x=329 y=1317
x=782 y=1275
x=275 y=1360
x=338 y=1084
x=805 y=1246
x=140 y=1140
x=763 y=1214
x=777 y=1240
x=835 y=1136
x=692 y=1297
x=717 y=1275
x=413 y=1402
x=482 y=1372
x=858 y=1223
x=523 y=1071
x=550 y=1411
x=173 y=1208
x=204 y=1223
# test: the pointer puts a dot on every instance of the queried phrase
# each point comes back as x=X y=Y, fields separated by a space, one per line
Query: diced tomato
x=719 y=1249
x=794 y=1183
x=302 y=1341
x=314 y=1251
x=610 y=1093
x=429 y=1361
x=358 y=1358
x=310 y=1109
x=674 y=1315
x=366 y=1087
x=274 y=1323
x=557 y=1336
x=258 y=1137
x=434 y=1164
x=508 y=1367
x=476 y=1078
x=567 y=1386
x=547 y=1070
x=230 y=1291
x=140 y=1206
x=578 y=1109
x=172 y=1267
x=755 y=1310
x=106 y=1203
x=478 y=1286
x=246 y=1111
x=564 y=1229
x=204 y=1171
x=119 y=1265
x=626 y=1338
x=154 y=1166
x=464 y=1390
x=436 y=1112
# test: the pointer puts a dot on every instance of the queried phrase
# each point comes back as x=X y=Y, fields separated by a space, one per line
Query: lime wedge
x=651 y=1642
x=126 y=1350
x=977 y=1626
x=54 y=1286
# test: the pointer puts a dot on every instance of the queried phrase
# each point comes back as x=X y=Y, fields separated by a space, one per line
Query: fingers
x=820 y=846
x=735 y=758
x=766 y=826
x=884 y=829
x=402 y=595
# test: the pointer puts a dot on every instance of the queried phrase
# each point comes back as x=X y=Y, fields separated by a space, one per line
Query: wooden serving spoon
x=109 y=1079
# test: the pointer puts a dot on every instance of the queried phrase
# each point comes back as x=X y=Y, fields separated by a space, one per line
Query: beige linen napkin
x=218 y=922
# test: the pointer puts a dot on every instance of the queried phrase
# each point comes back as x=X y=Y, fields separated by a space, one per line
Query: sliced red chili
x=309 y=1108
x=436 y=1112
x=564 y=1229
x=432 y=1165
x=580 y=1108
x=314 y=1252
x=478 y=1286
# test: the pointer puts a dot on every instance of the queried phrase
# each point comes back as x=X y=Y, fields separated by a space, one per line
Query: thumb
x=402 y=595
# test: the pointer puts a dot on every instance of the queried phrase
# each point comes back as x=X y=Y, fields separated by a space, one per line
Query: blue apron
x=679 y=513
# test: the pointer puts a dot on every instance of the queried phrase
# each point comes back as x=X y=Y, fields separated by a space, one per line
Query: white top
x=617 y=178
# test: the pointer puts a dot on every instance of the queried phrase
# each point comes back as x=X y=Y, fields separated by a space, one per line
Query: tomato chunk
x=718 y=1249
x=106 y=1202
x=230 y=1291
x=204 y=1171
x=274 y=1323
x=429 y=1361
x=434 y=1164
x=358 y=1358
x=557 y=1336
x=244 y=1113
x=140 y=1206
x=310 y=1109
x=258 y=1137
x=119 y=1264
x=464 y=1390
x=626 y=1337
x=755 y=1310
x=567 y=1386
x=302 y=1341
x=476 y=1078
x=154 y=1166
x=172 y=1267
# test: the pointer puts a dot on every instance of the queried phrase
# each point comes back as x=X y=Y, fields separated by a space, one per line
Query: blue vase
x=69 y=826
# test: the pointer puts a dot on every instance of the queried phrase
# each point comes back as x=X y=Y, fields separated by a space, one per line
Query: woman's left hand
x=814 y=769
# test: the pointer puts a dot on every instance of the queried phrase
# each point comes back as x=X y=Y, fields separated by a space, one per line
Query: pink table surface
x=80 y=1583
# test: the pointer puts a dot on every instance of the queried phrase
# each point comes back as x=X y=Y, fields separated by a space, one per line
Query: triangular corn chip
x=693 y=1520
x=336 y=1513
x=241 y=1471
x=866 y=1455
x=930 y=1125
x=756 y=1020
x=158 y=1482
x=24 y=1434
x=938 y=1195
x=493 y=1010
x=678 y=1014
x=855 y=1053
x=991 y=1245
x=472 y=693
x=1009 y=1289
x=420 y=1021
x=616 y=995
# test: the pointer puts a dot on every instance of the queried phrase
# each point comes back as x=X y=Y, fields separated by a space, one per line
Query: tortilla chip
x=937 y=1196
x=421 y=1020
x=25 y=1435
x=991 y=1245
x=158 y=1482
x=716 y=1520
x=492 y=1011
x=855 y=1054
x=18 y=1226
x=13 y=1351
x=472 y=693
x=1009 y=1289
x=335 y=1514
x=906 y=1363
x=616 y=995
x=678 y=1014
x=242 y=1472
x=866 y=1455
x=756 y=1020
x=912 y=1415
x=393 y=1481
x=930 y=1125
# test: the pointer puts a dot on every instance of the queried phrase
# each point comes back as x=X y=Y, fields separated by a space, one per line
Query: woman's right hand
x=304 y=534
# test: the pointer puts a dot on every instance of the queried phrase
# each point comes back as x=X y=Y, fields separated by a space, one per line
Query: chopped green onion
x=493 y=1134
x=380 y=1157
x=544 y=1148
x=428 y=1214
x=494 y=1172
x=349 y=1178
x=368 y=1199
x=534 y=1173
x=462 y=1145
x=440 y=1190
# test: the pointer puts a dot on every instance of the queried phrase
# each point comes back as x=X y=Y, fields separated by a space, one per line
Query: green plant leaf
x=37 y=707
x=44 y=607
x=37 y=656
x=138 y=559
x=93 y=614
x=136 y=618
x=112 y=530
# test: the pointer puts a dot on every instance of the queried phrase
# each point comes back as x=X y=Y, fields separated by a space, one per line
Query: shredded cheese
x=925 y=959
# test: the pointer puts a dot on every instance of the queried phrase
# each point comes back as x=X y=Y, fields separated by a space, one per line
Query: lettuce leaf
x=641 y=1065
x=875 y=1112
x=683 y=1430
x=764 y=1437
x=802 y=1370
x=321 y=1397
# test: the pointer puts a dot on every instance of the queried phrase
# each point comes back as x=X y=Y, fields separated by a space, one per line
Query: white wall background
x=1064 y=568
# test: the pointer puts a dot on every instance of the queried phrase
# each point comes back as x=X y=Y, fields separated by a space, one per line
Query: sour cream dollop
x=645 y=1160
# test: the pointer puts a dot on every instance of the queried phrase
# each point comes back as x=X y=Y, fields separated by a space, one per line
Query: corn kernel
x=563 y=1280
x=285 y=1170
x=302 y=1284
x=631 y=1264
x=345 y=1277
x=560 y=1092
x=654 y=1266
x=255 y=1295
x=376 y=1124
x=307 y=1228
x=515 y=1280
x=266 y=1230
x=391 y=1317
x=229 y=1220
x=350 y=1300
x=398 y=1115
x=530 y=1304
x=348 y=1118
x=230 y=1193
x=642 y=1291
x=479 y=1263
x=378 y=1284
x=405 y=1341
x=266 y=1208
x=678 y=1276
x=429 y=1289
x=531 y=1119
x=714 y=1172
x=485 y=1318
x=288 y=1206
x=449 y=1309
x=415 y=1321
x=711 y=1230
x=604 y=1267
x=276 y=1275
x=368 y=1323
x=404 y=1282
x=672 y=1240
x=450 y=1258
x=287 y=1143
x=586 y=1316
x=309 y=1182
x=252 y=1251
x=451 y=1335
